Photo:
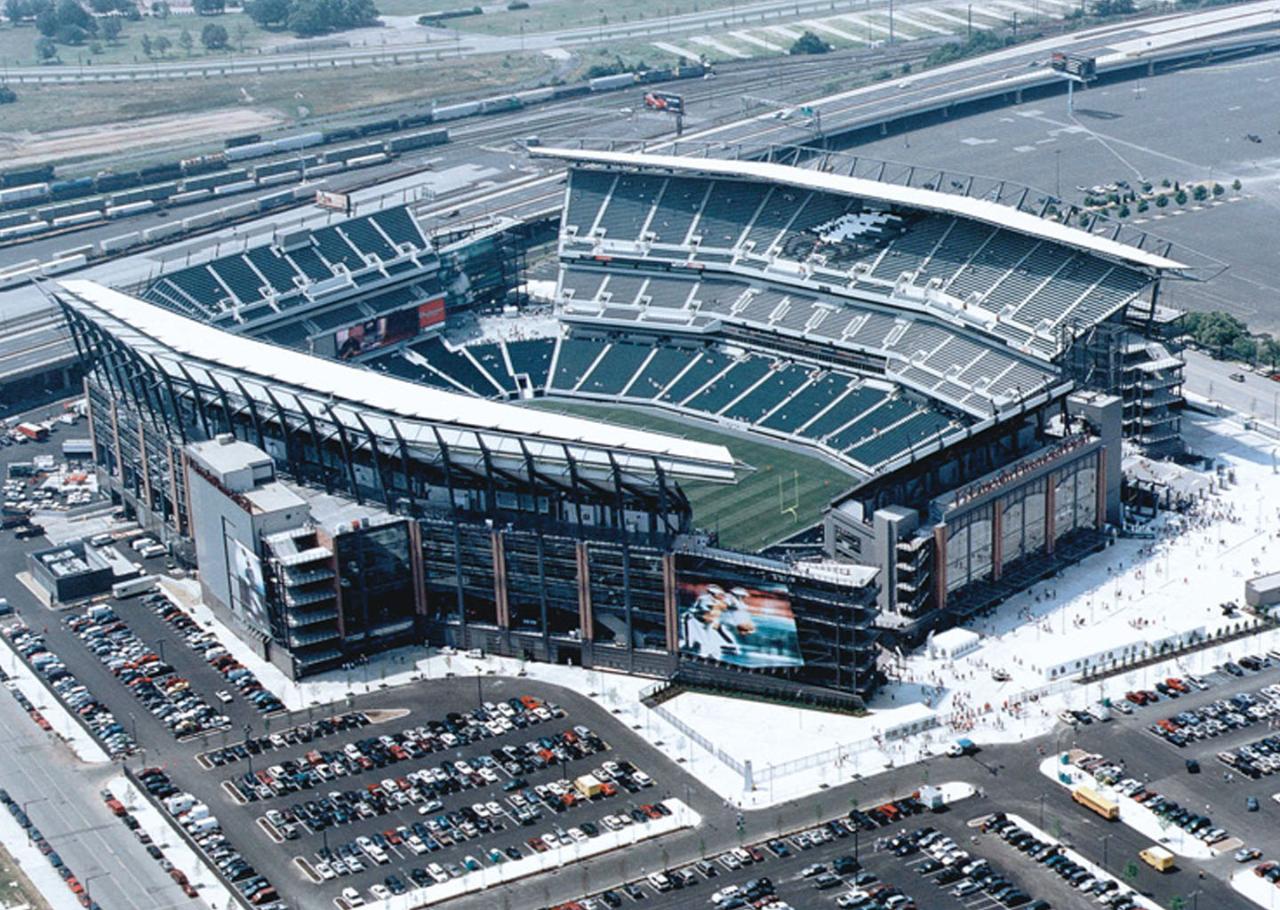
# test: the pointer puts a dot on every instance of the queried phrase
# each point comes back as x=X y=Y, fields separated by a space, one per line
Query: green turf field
x=780 y=492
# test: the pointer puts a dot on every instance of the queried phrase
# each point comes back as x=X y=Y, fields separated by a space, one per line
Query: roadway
x=1251 y=395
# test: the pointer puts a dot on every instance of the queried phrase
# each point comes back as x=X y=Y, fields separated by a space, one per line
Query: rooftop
x=388 y=406
x=978 y=209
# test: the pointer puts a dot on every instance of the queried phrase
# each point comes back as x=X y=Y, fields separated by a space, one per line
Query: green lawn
x=781 y=491
x=17 y=44
x=15 y=888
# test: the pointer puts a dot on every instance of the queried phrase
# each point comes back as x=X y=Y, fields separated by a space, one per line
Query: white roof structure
x=357 y=396
x=913 y=197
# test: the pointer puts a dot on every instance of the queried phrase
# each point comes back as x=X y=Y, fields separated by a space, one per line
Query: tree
x=242 y=32
x=14 y=11
x=45 y=48
x=72 y=13
x=809 y=43
x=209 y=7
x=160 y=9
x=268 y=13
x=71 y=34
x=111 y=28
x=186 y=42
x=145 y=41
x=162 y=45
x=7 y=95
x=47 y=21
x=214 y=37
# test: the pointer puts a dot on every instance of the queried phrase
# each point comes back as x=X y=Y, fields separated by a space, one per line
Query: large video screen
x=751 y=626
x=388 y=328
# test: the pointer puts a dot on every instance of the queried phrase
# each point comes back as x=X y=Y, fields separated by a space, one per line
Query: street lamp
x=32 y=802
x=87 y=880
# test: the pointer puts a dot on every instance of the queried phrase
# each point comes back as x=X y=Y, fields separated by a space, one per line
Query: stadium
x=953 y=364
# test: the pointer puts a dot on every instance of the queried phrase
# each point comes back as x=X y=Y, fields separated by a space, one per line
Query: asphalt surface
x=72 y=815
x=1007 y=775
x=1250 y=394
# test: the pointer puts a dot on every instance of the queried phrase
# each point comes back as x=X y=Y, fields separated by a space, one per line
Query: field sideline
x=754 y=512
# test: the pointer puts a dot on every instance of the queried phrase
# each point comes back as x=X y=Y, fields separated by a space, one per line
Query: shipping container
x=203 y=164
x=70 y=189
x=571 y=91
x=41 y=174
x=107 y=182
x=78 y=218
x=341 y=134
x=380 y=126
x=248 y=139
x=255 y=150
x=159 y=172
x=133 y=208
x=609 y=83
x=32 y=192
x=422 y=119
x=238 y=186
x=120 y=242
x=455 y=111
x=367 y=160
x=420 y=140
x=298 y=141
x=277 y=167
x=353 y=151
x=23 y=230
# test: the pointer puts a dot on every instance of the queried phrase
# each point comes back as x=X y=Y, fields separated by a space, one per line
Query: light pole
x=87 y=880
x=32 y=802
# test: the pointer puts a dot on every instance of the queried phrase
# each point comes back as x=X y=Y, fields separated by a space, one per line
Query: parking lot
x=873 y=861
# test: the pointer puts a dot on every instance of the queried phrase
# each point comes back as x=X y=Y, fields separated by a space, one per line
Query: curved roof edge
x=367 y=388
x=978 y=209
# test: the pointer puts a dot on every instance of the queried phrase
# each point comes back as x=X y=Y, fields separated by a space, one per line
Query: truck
x=589 y=786
x=133 y=587
x=1157 y=858
x=1096 y=802
x=33 y=431
x=961 y=747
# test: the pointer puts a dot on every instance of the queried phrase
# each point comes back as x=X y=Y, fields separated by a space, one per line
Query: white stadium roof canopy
x=179 y=344
x=889 y=193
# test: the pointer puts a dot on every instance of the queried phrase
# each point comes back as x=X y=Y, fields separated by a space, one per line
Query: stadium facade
x=970 y=363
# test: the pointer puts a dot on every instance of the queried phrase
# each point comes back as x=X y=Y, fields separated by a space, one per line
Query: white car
x=326 y=871
x=223 y=696
x=352 y=897
x=380 y=892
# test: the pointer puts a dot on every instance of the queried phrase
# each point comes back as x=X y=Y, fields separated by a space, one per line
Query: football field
x=778 y=493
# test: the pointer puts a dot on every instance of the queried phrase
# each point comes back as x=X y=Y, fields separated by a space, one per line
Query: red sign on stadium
x=388 y=328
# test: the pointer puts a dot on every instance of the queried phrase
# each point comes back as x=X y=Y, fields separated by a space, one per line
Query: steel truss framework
x=337 y=447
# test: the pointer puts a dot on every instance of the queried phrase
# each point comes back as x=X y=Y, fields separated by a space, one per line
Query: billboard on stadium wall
x=388 y=328
x=746 y=624
x=248 y=586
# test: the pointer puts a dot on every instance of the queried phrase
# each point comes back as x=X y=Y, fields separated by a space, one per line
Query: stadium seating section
x=1036 y=287
x=271 y=278
x=926 y=355
x=865 y=422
